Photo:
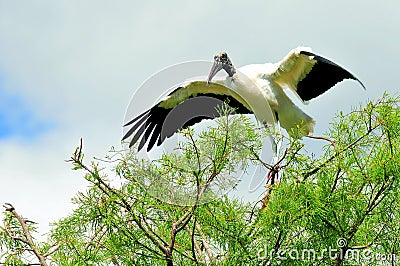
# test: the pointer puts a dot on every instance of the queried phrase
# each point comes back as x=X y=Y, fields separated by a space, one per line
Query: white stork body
x=259 y=99
x=256 y=88
x=289 y=115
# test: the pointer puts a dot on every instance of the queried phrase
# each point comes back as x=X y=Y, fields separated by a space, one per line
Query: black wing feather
x=156 y=134
x=146 y=135
x=323 y=76
x=138 y=134
x=160 y=123
x=135 y=126
x=136 y=118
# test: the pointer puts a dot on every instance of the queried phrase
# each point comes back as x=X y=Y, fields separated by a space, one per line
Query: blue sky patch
x=18 y=118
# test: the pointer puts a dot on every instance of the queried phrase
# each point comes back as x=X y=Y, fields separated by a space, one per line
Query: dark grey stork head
x=221 y=61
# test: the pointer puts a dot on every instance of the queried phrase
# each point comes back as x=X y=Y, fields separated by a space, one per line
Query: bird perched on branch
x=255 y=88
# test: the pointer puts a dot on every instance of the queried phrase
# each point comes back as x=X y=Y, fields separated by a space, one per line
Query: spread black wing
x=323 y=75
x=308 y=74
x=183 y=107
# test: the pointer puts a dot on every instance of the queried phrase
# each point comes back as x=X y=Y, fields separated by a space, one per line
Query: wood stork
x=255 y=88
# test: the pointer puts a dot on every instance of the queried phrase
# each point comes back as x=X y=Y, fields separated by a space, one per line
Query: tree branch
x=28 y=237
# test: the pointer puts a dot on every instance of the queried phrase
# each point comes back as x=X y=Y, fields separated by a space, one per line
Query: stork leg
x=276 y=140
x=273 y=176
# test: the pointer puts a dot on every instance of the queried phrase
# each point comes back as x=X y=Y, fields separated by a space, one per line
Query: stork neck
x=230 y=70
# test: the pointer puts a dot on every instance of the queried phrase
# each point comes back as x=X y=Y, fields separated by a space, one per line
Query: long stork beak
x=216 y=67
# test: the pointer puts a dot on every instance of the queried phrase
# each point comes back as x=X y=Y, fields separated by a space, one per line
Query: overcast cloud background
x=69 y=68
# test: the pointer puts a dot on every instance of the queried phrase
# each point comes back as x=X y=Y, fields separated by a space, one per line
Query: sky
x=68 y=69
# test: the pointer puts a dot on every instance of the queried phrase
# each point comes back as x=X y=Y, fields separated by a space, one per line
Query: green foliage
x=341 y=208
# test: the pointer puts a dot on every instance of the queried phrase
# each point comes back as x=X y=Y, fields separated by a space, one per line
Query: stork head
x=221 y=61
